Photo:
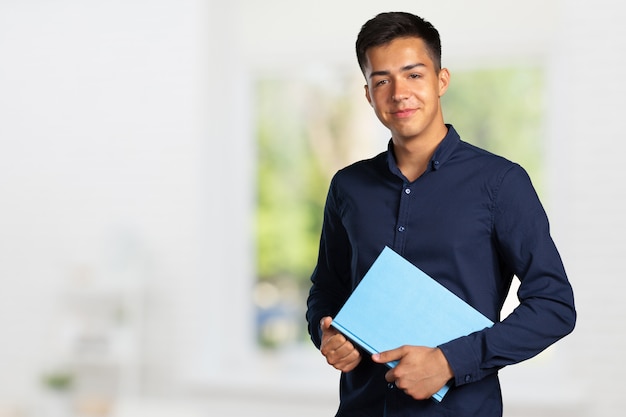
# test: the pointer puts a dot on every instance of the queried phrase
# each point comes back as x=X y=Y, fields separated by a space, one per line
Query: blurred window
x=307 y=128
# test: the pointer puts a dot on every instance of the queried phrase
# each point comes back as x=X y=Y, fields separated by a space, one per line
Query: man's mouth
x=403 y=113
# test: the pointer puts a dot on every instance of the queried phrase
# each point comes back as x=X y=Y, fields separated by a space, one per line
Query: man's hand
x=421 y=371
x=339 y=351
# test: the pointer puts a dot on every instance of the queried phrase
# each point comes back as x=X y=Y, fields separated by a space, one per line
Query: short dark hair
x=385 y=27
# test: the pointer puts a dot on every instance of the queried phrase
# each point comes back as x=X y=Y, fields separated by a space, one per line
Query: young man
x=468 y=218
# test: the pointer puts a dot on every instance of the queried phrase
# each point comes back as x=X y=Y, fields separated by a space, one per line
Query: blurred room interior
x=163 y=166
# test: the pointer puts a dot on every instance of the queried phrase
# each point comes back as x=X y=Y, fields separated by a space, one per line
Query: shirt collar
x=442 y=153
x=446 y=148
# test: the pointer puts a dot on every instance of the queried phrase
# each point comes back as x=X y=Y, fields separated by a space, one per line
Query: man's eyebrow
x=412 y=66
x=387 y=72
x=379 y=73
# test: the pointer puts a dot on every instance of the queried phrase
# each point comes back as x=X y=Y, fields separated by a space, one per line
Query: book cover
x=398 y=304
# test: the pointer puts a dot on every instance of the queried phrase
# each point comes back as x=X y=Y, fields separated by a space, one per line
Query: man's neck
x=414 y=155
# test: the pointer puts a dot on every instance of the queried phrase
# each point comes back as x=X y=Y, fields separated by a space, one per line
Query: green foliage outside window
x=500 y=110
x=290 y=184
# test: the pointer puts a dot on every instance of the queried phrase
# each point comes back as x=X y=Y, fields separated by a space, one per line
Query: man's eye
x=414 y=76
x=381 y=82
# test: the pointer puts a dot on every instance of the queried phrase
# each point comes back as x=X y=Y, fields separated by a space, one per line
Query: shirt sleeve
x=330 y=279
x=546 y=310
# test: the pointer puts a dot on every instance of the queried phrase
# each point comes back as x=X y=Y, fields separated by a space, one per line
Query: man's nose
x=400 y=91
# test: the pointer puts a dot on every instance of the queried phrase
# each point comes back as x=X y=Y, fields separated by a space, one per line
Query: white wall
x=104 y=144
x=127 y=124
x=589 y=196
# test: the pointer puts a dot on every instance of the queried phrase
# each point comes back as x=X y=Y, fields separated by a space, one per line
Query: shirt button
x=401 y=229
x=390 y=385
x=407 y=191
x=468 y=378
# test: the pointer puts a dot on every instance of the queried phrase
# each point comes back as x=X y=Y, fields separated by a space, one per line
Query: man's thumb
x=325 y=322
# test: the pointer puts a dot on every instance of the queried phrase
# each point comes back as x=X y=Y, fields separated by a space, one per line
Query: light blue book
x=397 y=304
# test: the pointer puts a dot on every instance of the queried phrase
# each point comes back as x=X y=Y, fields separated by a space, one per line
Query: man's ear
x=367 y=94
x=444 y=81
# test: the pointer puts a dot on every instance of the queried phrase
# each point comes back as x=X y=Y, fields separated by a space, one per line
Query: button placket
x=403 y=216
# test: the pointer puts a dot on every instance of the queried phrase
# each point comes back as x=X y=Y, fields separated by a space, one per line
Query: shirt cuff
x=463 y=360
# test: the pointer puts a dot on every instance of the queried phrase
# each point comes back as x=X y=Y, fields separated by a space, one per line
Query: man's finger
x=388 y=356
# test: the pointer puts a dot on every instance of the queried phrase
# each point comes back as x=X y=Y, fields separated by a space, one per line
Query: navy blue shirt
x=472 y=221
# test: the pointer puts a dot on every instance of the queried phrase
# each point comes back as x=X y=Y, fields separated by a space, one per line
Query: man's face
x=404 y=88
